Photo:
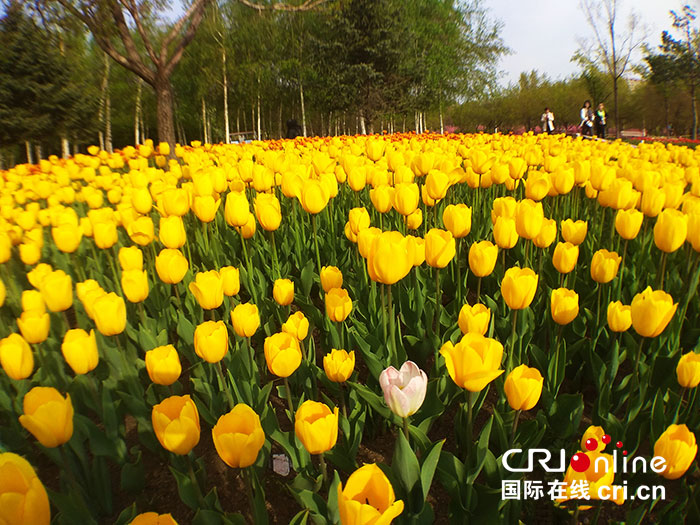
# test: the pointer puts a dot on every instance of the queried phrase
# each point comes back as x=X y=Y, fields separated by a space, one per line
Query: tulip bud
x=176 y=424
x=29 y=253
x=523 y=387
x=619 y=316
x=208 y=289
x=565 y=257
x=547 y=234
x=688 y=370
x=474 y=319
x=482 y=258
x=518 y=287
x=414 y=220
x=67 y=237
x=358 y=219
x=163 y=365
x=171 y=266
x=24 y=499
x=529 y=217
x=564 y=305
x=34 y=326
x=172 y=232
x=678 y=447
x=153 y=518
x=338 y=304
x=176 y=201
x=314 y=196
x=57 y=291
x=505 y=233
x=135 y=285
x=80 y=350
x=283 y=292
x=268 y=211
x=105 y=234
x=32 y=301
x=652 y=310
x=574 y=232
x=628 y=223
x=339 y=365
x=141 y=231
x=670 y=230
x=282 y=354
x=238 y=436
x=48 y=416
x=381 y=198
x=110 y=314
x=406 y=198
x=131 y=258
x=237 y=209
x=211 y=341
x=245 y=319
x=404 y=389
x=316 y=426
x=231 y=279
x=331 y=277
x=439 y=248
x=16 y=357
x=297 y=325
x=604 y=266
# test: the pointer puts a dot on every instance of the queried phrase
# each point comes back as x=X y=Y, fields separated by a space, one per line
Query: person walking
x=600 y=121
x=587 y=119
x=547 y=121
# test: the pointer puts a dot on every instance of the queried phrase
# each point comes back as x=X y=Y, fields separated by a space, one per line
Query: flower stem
x=318 y=257
x=288 y=392
x=637 y=358
x=680 y=403
x=193 y=479
x=392 y=328
x=662 y=271
x=516 y=419
x=512 y=341
x=324 y=468
x=405 y=429
x=224 y=385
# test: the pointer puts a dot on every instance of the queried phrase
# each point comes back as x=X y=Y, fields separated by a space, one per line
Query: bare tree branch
x=130 y=6
x=282 y=6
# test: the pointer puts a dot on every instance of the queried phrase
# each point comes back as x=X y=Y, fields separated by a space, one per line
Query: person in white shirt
x=547 y=121
x=587 y=119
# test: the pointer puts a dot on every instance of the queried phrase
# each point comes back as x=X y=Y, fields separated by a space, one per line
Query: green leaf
x=187 y=491
x=405 y=464
x=427 y=470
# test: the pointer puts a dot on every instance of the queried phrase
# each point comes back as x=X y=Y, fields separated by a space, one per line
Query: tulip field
x=403 y=328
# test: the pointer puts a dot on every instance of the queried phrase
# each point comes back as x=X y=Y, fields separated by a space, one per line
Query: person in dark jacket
x=293 y=129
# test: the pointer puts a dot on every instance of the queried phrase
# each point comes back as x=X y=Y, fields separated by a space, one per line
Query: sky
x=544 y=34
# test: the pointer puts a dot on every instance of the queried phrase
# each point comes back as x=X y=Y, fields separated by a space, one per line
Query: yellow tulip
x=678 y=447
x=439 y=248
x=16 y=357
x=547 y=234
x=110 y=314
x=482 y=258
x=238 y=436
x=619 y=316
x=314 y=196
x=414 y=220
x=652 y=310
x=518 y=287
x=245 y=319
x=163 y=365
x=208 y=289
x=523 y=387
x=474 y=361
x=282 y=354
x=80 y=350
x=688 y=370
x=574 y=231
x=141 y=231
x=368 y=498
x=406 y=198
x=436 y=184
x=382 y=197
x=211 y=341
x=670 y=230
x=48 y=416
x=32 y=301
x=176 y=424
x=529 y=217
x=135 y=285
x=505 y=233
x=57 y=291
x=171 y=266
x=297 y=325
x=390 y=257
x=131 y=258
x=176 y=201
x=628 y=223
x=268 y=211
x=231 y=279
x=339 y=365
x=565 y=257
x=237 y=209
x=172 y=232
x=283 y=292
x=105 y=234
x=474 y=319
x=316 y=426
x=604 y=266
x=564 y=305
x=29 y=253
x=67 y=237
x=331 y=277
x=358 y=218
x=23 y=498
x=34 y=326
x=338 y=304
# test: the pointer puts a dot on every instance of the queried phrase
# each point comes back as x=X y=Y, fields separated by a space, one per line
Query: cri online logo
x=581 y=462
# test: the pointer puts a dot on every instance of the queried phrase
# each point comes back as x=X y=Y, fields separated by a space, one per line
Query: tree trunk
x=103 y=102
x=28 y=146
x=39 y=153
x=403 y=128
x=668 y=134
x=303 y=110
x=363 y=128
x=137 y=113
x=238 y=120
x=442 y=124
x=164 y=110
x=108 y=121
x=65 y=147
x=259 y=122
x=694 y=134
x=252 y=121
x=227 y=130
x=617 y=111
x=279 y=123
x=204 y=122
